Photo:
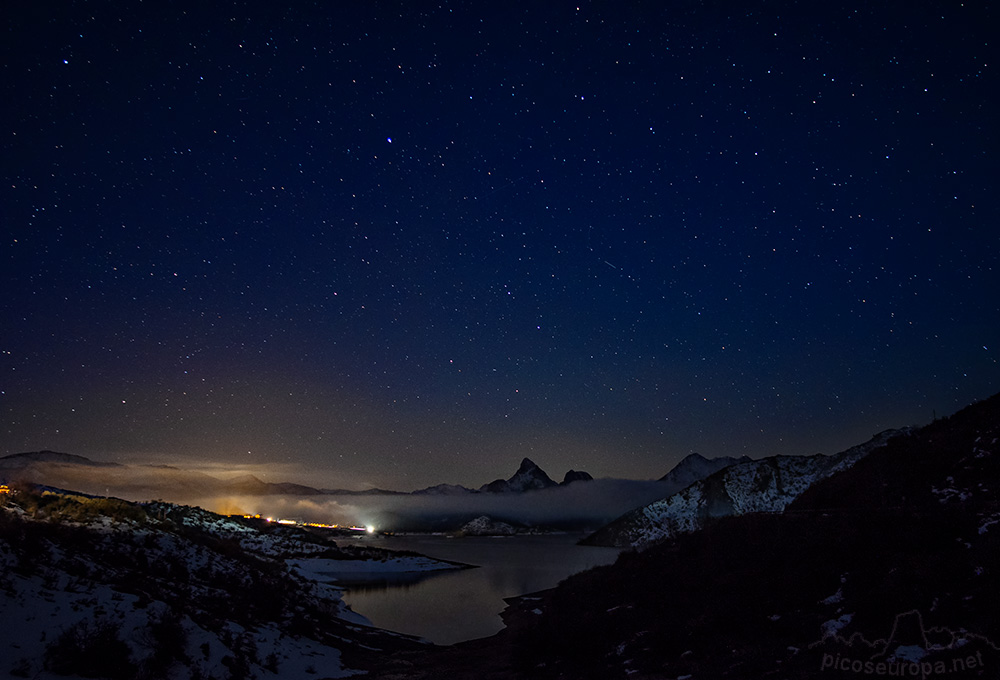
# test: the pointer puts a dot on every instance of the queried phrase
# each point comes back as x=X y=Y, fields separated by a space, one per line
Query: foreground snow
x=169 y=591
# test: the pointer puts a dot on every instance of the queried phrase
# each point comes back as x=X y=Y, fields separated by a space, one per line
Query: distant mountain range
x=530 y=477
x=695 y=490
x=21 y=460
x=529 y=499
x=70 y=471
x=77 y=472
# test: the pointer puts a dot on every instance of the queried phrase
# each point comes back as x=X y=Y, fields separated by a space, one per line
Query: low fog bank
x=581 y=505
x=134 y=483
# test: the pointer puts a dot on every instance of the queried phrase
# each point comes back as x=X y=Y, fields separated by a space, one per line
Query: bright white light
x=370 y=529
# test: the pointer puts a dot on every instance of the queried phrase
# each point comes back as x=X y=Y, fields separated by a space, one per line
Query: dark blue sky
x=401 y=244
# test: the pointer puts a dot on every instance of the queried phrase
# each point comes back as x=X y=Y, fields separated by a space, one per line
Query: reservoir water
x=465 y=604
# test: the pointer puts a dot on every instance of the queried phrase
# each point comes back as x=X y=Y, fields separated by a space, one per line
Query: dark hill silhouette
x=575 y=476
x=252 y=486
x=27 y=458
x=915 y=473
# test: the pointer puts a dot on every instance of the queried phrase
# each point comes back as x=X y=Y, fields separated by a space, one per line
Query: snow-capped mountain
x=696 y=467
x=766 y=485
x=528 y=477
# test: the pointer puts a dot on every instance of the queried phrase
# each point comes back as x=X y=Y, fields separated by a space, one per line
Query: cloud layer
x=580 y=504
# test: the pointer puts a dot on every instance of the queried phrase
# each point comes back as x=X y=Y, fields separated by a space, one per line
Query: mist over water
x=579 y=505
x=582 y=504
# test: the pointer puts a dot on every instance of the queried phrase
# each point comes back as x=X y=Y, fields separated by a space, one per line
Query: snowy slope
x=172 y=591
x=766 y=485
x=486 y=526
x=696 y=467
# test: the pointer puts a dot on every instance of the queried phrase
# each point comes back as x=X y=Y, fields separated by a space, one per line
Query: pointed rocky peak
x=527 y=465
x=528 y=476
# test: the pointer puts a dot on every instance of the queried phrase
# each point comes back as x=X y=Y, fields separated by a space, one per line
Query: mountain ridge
x=15 y=460
x=695 y=466
x=765 y=485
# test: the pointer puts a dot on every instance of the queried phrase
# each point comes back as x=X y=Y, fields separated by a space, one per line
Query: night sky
x=397 y=244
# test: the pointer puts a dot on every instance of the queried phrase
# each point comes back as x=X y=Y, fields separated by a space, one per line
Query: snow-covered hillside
x=125 y=590
x=766 y=485
x=486 y=526
x=696 y=467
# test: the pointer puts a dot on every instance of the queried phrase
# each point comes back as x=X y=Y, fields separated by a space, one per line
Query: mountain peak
x=527 y=465
x=746 y=486
x=528 y=476
x=695 y=467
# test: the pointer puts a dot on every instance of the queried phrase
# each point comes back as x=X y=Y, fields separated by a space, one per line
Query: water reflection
x=451 y=606
x=373 y=583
